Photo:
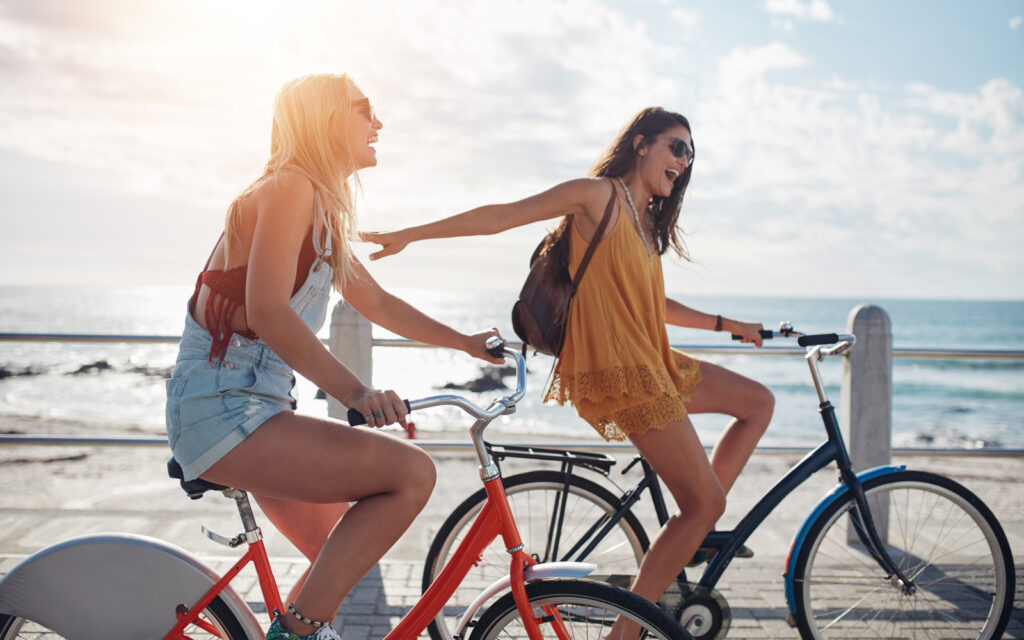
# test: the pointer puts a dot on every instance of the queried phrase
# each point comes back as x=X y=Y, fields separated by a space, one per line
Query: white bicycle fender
x=535 y=572
x=113 y=586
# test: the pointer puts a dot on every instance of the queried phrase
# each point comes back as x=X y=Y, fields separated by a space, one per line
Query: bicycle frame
x=728 y=543
x=495 y=519
x=256 y=553
x=832 y=450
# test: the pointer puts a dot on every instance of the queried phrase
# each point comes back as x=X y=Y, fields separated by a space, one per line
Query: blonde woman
x=616 y=367
x=252 y=321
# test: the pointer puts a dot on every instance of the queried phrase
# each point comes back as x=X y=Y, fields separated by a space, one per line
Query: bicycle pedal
x=219 y=539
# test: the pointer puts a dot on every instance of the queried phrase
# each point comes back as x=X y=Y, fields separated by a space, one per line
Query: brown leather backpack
x=541 y=314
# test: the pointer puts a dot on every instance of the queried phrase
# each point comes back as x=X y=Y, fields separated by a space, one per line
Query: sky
x=870 y=149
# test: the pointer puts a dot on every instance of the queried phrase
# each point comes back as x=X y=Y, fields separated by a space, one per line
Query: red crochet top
x=227 y=295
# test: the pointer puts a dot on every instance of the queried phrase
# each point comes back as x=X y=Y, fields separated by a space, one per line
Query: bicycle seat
x=194 y=488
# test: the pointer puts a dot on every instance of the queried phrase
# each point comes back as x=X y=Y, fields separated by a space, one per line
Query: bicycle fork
x=864 y=524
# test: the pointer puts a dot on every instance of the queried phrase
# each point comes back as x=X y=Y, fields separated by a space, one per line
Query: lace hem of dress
x=640 y=419
x=638 y=380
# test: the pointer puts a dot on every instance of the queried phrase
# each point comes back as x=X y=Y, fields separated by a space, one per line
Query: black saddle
x=194 y=488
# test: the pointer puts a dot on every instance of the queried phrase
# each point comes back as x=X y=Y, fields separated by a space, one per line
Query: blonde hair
x=311 y=115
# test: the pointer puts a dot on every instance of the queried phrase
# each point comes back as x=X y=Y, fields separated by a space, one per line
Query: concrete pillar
x=351 y=341
x=865 y=409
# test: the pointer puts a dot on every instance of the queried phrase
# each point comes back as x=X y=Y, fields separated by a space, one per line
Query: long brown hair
x=308 y=113
x=618 y=160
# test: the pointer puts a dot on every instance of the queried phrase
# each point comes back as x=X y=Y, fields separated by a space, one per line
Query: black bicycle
x=889 y=553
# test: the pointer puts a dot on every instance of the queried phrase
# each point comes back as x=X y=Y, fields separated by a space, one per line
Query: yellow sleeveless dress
x=616 y=367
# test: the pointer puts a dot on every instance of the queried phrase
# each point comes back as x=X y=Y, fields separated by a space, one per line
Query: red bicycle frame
x=493 y=520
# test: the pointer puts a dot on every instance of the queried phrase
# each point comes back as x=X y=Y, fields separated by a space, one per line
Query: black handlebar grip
x=820 y=338
x=766 y=334
x=495 y=346
x=355 y=418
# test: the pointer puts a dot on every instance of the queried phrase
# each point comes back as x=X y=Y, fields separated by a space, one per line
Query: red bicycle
x=134 y=587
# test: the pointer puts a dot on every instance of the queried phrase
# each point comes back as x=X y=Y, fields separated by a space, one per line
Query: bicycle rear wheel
x=944 y=539
x=217 y=615
x=585 y=609
x=557 y=521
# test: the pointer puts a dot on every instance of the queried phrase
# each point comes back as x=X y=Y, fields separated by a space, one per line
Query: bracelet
x=718 y=323
x=315 y=623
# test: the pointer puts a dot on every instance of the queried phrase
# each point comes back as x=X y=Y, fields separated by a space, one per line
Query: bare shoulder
x=587 y=188
x=594 y=195
x=584 y=193
x=284 y=193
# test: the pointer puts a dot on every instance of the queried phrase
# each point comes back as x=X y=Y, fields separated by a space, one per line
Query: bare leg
x=297 y=458
x=306 y=526
x=677 y=456
x=749 y=403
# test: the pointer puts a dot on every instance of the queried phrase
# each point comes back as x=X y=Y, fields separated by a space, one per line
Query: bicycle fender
x=838 y=492
x=114 y=586
x=541 y=571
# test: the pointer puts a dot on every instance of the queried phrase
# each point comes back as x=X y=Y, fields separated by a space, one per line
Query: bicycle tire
x=586 y=608
x=217 y=613
x=944 y=539
x=620 y=552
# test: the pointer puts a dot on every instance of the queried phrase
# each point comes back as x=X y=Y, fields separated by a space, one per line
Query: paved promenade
x=51 y=493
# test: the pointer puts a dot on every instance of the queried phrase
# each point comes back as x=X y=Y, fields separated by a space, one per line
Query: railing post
x=351 y=341
x=866 y=398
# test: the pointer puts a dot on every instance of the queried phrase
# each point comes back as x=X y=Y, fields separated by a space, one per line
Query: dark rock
x=10 y=372
x=490 y=380
x=154 y=372
x=92 y=368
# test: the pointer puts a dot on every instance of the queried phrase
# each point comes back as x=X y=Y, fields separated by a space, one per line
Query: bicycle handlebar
x=843 y=341
x=496 y=347
x=821 y=338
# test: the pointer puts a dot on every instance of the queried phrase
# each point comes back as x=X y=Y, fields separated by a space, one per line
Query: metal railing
x=897 y=352
x=444 y=445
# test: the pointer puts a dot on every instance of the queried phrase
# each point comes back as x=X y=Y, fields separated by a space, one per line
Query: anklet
x=315 y=623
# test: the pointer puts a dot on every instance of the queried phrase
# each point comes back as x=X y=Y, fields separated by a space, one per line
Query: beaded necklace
x=639 y=227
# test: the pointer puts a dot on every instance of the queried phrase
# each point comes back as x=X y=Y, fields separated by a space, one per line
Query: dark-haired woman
x=616 y=367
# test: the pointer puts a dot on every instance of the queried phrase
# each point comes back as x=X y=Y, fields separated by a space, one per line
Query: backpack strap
x=595 y=240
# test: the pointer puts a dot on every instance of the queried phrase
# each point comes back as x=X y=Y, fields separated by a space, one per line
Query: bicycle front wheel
x=559 y=518
x=941 y=536
x=576 y=609
x=218 y=619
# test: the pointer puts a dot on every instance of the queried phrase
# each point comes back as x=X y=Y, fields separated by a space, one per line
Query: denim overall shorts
x=211 y=407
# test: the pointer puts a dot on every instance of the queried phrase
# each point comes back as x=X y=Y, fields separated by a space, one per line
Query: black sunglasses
x=364 y=107
x=680 y=148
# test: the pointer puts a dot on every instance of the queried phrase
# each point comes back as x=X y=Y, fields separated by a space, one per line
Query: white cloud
x=1016 y=21
x=810 y=11
x=686 y=17
x=745 y=65
x=833 y=180
x=842 y=183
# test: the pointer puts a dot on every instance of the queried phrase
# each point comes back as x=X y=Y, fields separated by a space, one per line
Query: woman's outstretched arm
x=572 y=197
x=398 y=316
x=682 y=316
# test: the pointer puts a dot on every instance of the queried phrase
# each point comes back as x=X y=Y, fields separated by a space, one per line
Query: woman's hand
x=391 y=242
x=747 y=331
x=476 y=346
x=380 y=408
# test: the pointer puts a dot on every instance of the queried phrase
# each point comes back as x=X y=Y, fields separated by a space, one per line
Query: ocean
x=118 y=388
